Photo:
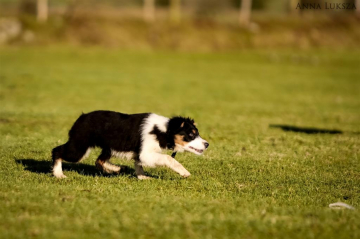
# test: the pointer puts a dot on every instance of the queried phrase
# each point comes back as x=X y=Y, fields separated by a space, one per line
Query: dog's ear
x=191 y=121
x=176 y=124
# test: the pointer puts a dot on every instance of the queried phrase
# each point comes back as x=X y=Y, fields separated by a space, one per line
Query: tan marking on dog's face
x=179 y=139
x=182 y=125
x=194 y=131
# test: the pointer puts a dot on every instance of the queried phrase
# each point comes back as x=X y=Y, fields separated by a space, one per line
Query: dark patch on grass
x=305 y=130
x=44 y=167
x=346 y=197
x=3 y=120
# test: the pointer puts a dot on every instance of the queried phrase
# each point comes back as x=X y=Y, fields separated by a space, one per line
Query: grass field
x=254 y=181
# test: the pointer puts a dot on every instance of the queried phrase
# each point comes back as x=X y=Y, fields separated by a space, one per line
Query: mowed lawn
x=254 y=181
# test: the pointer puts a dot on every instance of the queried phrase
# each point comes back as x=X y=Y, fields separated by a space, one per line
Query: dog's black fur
x=102 y=129
x=113 y=131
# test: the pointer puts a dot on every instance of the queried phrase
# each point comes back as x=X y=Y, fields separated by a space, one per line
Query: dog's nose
x=206 y=145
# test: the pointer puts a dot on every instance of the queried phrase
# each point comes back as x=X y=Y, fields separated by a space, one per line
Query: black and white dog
x=137 y=136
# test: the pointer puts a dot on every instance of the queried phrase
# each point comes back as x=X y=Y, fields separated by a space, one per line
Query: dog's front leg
x=170 y=162
x=177 y=167
x=140 y=171
x=157 y=159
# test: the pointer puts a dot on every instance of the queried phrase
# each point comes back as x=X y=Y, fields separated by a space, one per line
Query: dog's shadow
x=44 y=167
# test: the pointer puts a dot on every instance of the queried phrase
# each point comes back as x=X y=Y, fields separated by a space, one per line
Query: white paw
x=143 y=177
x=186 y=174
x=109 y=168
x=60 y=175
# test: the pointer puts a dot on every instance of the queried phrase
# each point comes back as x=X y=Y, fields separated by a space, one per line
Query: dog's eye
x=191 y=135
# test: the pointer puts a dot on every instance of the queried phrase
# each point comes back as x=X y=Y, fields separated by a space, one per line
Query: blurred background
x=247 y=71
x=201 y=25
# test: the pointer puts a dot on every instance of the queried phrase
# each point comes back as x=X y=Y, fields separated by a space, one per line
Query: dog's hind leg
x=71 y=152
x=103 y=163
x=57 y=162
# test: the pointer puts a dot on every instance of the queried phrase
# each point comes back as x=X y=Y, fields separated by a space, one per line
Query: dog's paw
x=143 y=177
x=59 y=176
x=186 y=174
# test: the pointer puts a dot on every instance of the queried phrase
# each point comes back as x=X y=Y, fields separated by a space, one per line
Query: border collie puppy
x=132 y=136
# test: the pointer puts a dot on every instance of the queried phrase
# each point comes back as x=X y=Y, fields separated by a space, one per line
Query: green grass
x=253 y=182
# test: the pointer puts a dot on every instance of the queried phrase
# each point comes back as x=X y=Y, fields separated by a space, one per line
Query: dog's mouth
x=200 y=151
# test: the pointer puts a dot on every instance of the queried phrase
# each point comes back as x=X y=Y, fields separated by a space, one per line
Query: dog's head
x=186 y=136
